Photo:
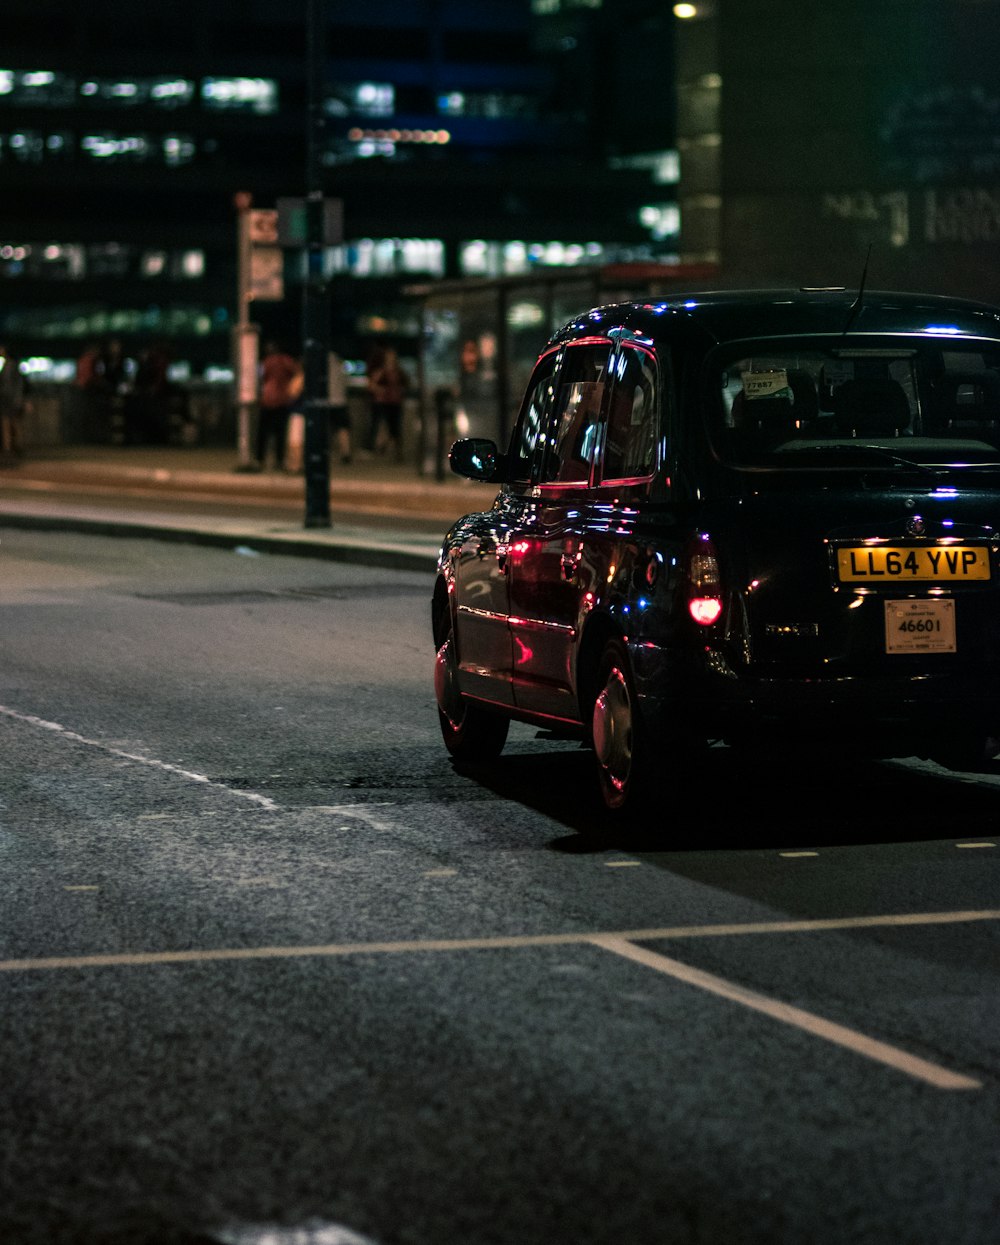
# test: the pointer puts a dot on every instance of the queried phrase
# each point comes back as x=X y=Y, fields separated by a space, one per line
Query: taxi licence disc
x=918 y=563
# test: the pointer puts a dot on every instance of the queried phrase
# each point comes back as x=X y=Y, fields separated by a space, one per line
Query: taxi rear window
x=928 y=402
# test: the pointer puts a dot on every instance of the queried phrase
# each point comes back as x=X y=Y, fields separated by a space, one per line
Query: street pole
x=315 y=308
x=244 y=336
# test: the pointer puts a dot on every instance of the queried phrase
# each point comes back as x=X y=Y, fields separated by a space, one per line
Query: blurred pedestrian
x=14 y=405
x=115 y=384
x=281 y=380
x=388 y=383
x=149 y=421
x=87 y=375
x=340 y=418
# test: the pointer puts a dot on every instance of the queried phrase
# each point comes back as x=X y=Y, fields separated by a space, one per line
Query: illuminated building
x=463 y=139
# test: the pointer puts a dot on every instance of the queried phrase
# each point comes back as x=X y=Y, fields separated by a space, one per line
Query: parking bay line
x=797 y=1017
x=621 y=943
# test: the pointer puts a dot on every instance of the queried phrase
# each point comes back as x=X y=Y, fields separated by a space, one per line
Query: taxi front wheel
x=471 y=734
x=620 y=743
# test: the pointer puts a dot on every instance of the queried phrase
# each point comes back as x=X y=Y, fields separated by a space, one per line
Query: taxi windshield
x=902 y=404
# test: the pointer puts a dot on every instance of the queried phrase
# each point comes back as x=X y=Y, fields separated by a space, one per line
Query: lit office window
x=153 y=263
x=128 y=92
x=45 y=368
x=58 y=145
x=23 y=146
x=374 y=99
x=423 y=255
x=190 y=265
x=663 y=220
x=36 y=88
x=61 y=262
x=178 y=149
x=171 y=92
x=495 y=259
x=362 y=99
x=478 y=258
x=380 y=257
x=543 y=7
x=240 y=94
x=111 y=147
x=496 y=104
x=452 y=104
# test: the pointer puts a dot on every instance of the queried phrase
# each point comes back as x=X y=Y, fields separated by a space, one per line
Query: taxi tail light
x=704 y=582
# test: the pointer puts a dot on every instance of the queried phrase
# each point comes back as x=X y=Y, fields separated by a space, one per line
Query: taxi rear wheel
x=471 y=734
x=620 y=744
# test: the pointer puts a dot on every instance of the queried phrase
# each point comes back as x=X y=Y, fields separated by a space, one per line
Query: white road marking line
x=163 y=766
x=796 y=855
x=797 y=1017
x=622 y=864
x=440 y=873
x=975 y=845
x=331 y=809
x=370 y=819
x=501 y=942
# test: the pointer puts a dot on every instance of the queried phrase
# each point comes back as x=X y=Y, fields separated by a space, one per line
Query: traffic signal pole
x=315 y=307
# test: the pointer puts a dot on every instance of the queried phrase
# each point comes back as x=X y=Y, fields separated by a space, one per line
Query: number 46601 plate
x=926 y=626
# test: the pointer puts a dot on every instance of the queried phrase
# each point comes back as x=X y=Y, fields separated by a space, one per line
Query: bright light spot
x=685 y=11
x=193 y=263
x=705 y=610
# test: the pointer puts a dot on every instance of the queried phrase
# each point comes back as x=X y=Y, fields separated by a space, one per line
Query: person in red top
x=280 y=388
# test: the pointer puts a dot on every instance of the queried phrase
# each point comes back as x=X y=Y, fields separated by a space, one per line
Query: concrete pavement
x=382 y=513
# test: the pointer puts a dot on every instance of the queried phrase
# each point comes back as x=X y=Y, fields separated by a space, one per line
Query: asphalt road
x=272 y=971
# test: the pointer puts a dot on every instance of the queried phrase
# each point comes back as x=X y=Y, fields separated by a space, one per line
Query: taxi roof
x=732 y=315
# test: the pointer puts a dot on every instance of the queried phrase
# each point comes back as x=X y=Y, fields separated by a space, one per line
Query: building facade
x=814 y=139
x=460 y=140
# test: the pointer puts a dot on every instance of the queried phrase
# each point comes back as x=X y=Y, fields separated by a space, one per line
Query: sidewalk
x=382 y=513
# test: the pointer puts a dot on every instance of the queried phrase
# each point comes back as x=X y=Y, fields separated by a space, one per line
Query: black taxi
x=736 y=516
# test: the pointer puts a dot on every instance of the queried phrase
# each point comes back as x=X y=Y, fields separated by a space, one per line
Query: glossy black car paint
x=534 y=592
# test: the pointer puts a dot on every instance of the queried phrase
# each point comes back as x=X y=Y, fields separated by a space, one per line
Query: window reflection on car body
x=879 y=451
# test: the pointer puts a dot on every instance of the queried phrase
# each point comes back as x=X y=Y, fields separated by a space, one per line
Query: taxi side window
x=630 y=443
x=533 y=419
x=576 y=417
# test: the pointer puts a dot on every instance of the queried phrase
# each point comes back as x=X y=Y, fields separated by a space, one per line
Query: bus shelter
x=480 y=339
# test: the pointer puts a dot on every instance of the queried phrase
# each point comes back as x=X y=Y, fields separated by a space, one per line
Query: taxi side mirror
x=477 y=458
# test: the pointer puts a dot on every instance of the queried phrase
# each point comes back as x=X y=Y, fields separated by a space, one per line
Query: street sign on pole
x=267 y=274
x=264 y=226
x=293 y=222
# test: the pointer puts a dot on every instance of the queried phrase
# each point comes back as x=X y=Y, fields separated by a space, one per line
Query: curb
x=360 y=551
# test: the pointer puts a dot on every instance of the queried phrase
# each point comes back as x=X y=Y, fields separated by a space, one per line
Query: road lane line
x=150 y=762
x=808 y=1022
x=500 y=942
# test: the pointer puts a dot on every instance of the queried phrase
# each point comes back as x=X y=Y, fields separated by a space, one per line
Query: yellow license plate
x=899 y=563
